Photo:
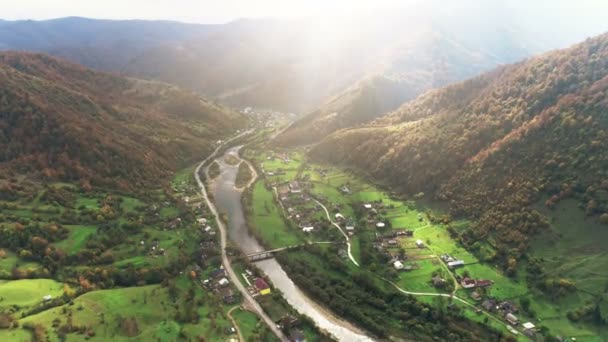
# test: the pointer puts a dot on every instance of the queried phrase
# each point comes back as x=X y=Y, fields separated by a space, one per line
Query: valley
x=323 y=171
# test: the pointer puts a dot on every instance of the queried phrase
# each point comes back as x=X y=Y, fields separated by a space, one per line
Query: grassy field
x=149 y=306
x=248 y=322
x=28 y=292
x=77 y=238
x=267 y=220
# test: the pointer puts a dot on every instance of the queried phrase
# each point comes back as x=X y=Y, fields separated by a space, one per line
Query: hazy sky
x=218 y=11
x=202 y=11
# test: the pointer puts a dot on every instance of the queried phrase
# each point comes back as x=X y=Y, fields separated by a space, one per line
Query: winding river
x=228 y=200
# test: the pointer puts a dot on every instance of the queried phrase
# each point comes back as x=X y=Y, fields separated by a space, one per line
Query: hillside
x=417 y=64
x=62 y=121
x=495 y=145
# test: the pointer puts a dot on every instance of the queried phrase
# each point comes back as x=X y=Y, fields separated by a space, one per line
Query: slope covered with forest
x=62 y=121
x=495 y=145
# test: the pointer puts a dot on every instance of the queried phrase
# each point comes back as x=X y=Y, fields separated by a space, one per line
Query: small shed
x=419 y=243
x=398 y=265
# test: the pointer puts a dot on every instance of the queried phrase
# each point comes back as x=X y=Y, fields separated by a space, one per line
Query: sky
x=196 y=11
x=221 y=11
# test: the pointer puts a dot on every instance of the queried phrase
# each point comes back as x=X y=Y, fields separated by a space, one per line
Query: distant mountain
x=494 y=145
x=102 y=44
x=299 y=65
x=62 y=121
x=427 y=61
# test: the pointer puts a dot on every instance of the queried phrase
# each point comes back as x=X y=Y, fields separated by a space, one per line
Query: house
x=438 y=281
x=308 y=229
x=47 y=298
x=294 y=187
x=288 y=322
x=529 y=329
x=228 y=296
x=223 y=282
x=489 y=304
x=476 y=296
x=218 y=273
x=447 y=258
x=262 y=286
x=367 y=206
x=419 y=244
x=511 y=318
x=345 y=190
x=350 y=225
x=380 y=225
x=398 y=265
x=508 y=307
x=483 y=283
x=296 y=336
x=468 y=283
x=455 y=264
x=392 y=242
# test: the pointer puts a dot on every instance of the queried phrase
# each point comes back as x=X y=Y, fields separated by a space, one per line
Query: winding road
x=422 y=294
x=350 y=256
x=248 y=300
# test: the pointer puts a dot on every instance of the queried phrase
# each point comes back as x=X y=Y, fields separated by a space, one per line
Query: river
x=228 y=200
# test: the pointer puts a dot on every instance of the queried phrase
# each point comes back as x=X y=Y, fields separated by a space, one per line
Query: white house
x=528 y=326
x=47 y=298
x=308 y=229
x=224 y=282
x=398 y=265
x=380 y=225
x=419 y=243
x=367 y=206
x=511 y=318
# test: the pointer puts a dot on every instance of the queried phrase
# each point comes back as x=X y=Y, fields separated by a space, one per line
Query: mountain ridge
x=454 y=143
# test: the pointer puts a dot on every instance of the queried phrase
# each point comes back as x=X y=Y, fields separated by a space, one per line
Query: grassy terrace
x=404 y=214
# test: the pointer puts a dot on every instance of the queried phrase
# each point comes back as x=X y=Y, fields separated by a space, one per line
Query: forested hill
x=429 y=61
x=496 y=144
x=59 y=120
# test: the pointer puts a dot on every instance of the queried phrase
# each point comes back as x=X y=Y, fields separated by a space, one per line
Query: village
x=406 y=249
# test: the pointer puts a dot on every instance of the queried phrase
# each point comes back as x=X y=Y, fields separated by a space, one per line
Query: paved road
x=350 y=256
x=248 y=300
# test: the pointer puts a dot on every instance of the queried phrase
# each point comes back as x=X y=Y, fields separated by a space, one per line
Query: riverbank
x=228 y=200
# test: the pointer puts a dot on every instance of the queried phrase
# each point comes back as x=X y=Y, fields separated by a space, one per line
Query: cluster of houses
x=154 y=249
x=220 y=285
x=451 y=262
x=290 y=325
x=256 y=285
x=508 y=310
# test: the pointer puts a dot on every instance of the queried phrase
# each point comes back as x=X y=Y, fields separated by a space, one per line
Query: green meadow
x=26 y=293
x=267 y=221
